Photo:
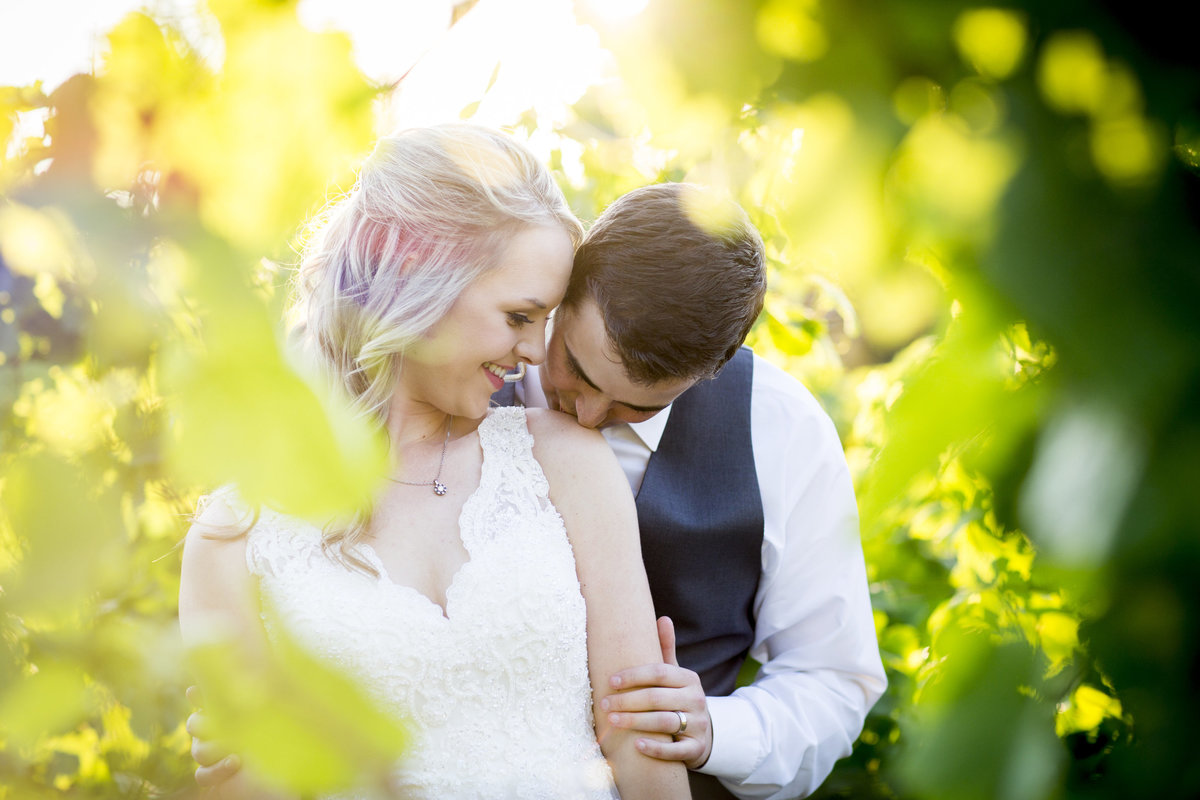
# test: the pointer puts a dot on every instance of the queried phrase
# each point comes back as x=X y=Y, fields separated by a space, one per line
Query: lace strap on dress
x=508 y=452
x=505 y=430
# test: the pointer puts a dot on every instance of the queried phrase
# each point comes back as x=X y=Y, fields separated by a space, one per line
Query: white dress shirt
x=814 y=630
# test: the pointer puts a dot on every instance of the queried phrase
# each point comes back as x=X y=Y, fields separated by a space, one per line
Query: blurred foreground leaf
x=51 y=699
x=257 y=424
x=68 y=527
x=982 y=687
x=298 y=722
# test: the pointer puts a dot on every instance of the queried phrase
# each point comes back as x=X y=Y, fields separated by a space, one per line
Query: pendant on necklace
x=439 y=488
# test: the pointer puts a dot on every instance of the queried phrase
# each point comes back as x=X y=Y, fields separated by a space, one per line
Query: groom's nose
x=591 y=411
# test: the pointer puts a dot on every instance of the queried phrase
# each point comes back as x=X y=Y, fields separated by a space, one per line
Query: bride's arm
x=591 y=493
x=217 y=599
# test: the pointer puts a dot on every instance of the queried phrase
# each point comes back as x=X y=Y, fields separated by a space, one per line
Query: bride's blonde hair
x=431 y=212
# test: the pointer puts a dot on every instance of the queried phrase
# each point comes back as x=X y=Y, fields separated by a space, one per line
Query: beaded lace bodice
x=496 y=690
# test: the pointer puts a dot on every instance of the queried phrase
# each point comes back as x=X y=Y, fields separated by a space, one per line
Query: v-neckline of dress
x=385 y=579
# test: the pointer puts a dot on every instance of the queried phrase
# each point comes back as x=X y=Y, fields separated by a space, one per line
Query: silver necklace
x=439 y=488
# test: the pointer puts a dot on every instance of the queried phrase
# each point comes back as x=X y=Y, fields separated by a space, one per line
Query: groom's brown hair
x=678 y=275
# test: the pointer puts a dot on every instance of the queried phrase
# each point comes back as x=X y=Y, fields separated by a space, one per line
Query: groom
x=748 y=520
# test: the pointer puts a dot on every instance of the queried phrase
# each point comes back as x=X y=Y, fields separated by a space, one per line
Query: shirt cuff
x=737 y=748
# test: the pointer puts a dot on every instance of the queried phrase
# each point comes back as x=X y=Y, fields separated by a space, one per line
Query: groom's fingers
x=651 y=698
x=691 y=752
x=218 y=773
x=655 y=687
x=699 y=724
x=207 y=754
x=667 y=675
x=216 y=765
x=655 y=698
x=648 y=721
x=666 y=640
x=691 y=747
x=197 y=725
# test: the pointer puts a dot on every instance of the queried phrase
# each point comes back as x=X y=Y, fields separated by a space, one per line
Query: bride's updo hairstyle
x=432 y=210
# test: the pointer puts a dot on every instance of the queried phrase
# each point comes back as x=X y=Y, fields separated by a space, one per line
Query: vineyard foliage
x=983 y=253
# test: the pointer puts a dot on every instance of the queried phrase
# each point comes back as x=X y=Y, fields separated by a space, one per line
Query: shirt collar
x=651 y=431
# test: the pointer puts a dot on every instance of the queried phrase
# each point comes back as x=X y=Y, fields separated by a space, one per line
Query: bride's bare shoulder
x=553 y=431
x=577 y=461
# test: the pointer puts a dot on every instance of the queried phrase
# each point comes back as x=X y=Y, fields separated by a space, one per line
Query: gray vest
x=701 y=519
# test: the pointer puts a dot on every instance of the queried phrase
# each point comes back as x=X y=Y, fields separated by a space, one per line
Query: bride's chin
x=475 y=408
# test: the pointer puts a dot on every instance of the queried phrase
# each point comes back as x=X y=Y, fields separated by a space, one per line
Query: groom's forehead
x=590 y=343
x=579 y=326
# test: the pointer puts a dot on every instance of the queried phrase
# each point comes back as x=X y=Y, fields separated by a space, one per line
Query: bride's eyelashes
x=517 y=319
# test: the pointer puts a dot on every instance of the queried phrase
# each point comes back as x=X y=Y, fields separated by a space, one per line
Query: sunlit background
x=532 y=54
x=981 y=229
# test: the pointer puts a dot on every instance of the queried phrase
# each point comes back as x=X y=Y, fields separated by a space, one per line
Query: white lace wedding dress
x=496 y=691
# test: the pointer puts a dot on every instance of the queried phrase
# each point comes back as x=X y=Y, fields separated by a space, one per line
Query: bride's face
x=498 y=321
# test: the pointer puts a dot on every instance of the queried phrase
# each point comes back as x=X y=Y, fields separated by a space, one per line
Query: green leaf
x=469 y=110
x=50 y=701
x=976 y=732
x=297 y=721
x=69 y=529
x=492 y=80
x=793 y=340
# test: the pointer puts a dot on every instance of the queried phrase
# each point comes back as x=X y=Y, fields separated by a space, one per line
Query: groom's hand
x=648 y=698
x=216 y=766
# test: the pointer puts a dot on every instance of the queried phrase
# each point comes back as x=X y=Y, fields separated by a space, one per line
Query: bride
x=496 y=582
